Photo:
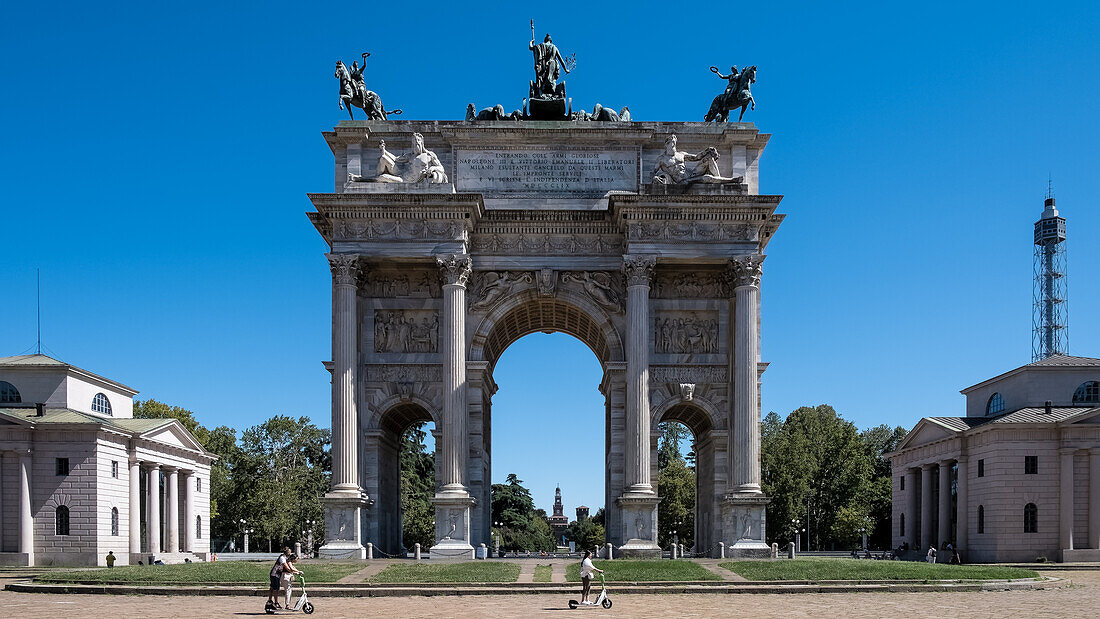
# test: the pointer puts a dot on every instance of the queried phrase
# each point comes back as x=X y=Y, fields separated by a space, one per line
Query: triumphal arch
x=450 y=240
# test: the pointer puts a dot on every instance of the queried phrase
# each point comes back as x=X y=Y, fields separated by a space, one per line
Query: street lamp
x=242 y=522
x=247 y=532
x=863 y=533
x=795 y=524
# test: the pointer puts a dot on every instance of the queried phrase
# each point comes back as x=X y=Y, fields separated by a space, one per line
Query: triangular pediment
x=926 y=431
x=1086 y=417
x=173 y=434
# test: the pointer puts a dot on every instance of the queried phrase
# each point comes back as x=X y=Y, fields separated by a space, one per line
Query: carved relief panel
x=396 y=284
x=405 y=331
x=685 y=332
x=691 y=285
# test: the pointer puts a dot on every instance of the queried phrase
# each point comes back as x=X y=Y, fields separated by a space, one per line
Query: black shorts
x=274 y=583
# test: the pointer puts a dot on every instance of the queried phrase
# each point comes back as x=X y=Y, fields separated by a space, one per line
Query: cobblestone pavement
x=1081 y=600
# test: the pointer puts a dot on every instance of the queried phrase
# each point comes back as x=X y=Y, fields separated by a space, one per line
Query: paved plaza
x=1080 y=600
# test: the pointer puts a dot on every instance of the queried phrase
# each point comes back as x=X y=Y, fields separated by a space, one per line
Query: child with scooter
x=289 y=571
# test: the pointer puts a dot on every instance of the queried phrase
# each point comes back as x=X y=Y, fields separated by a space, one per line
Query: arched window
x=101 y=405
x=114 y=521
x=995 y=405
x=8 y=393
x=981 y=519
x=902 y=533
x=198 y=527
x=1031 y=518
x=61 y=520
x=1087 y=393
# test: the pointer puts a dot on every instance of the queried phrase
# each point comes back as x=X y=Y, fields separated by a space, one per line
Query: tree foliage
x=524 y=527
x=676 y=486
x=417 y=488
x=817 y=468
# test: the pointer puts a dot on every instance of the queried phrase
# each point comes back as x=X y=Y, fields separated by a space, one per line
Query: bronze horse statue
x=354 y=93
x=727 y=101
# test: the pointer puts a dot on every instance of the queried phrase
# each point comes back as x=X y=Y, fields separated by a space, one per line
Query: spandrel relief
x=405 y=331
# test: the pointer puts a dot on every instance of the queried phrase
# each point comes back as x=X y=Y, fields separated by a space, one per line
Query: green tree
x=586 y=533
x=417 y=488
x=676 y=486
x=879 y=441
x=525 y=528
x=814 y=463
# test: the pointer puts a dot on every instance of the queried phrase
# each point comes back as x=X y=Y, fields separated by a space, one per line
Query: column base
x=343 y=530
x=639 y=524
x=452 y=525
x=743 y=526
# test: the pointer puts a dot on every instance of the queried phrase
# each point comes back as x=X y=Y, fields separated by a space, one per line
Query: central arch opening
x=546 y=376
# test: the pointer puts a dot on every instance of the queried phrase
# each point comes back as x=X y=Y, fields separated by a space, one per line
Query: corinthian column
x=639 y=274
x=455 y=272
x=744 y=437
x=345 y=269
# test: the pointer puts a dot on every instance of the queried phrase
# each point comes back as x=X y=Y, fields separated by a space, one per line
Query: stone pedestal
x=639 y=525
x=452 y=526
x=743 y=526
x=343 y=515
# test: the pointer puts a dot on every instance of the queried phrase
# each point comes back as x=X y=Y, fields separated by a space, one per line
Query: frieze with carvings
x=693 y=231
x=688 y=374
x=403 y=373
x=691 y=285
x=397 y=230
x=685 y=333
x=606 y=289
x=406 y=331
x=423 y=284
x=545 y=244
x=488 y=287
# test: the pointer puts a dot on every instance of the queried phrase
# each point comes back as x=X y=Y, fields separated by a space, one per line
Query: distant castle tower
x=1049 y=316
x=559 y=522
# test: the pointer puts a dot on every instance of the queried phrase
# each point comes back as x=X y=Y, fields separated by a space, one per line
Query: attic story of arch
x=643 y=239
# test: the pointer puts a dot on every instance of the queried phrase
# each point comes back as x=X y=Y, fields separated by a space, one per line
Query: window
x=62 y=466
x=1031 y=518
x=981 y=467
x=101 y=405
x=981 y=519
x=114 y=521
x=8 y=393
x=1031 y=465
x=995 y=405
x=198 y=527
x=1087 y=393
x=903 y=486
x=902 y=520
x=61 y=520
x=114 y=469
x=198 y=484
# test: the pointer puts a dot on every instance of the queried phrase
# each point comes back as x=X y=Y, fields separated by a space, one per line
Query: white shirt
x=587 y=568
x=277 y=569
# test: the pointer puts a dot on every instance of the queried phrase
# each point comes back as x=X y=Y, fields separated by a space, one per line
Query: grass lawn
x=542 y=573
x=201 y=573
x=850 y=569
x=473 y=571
x=644 y=570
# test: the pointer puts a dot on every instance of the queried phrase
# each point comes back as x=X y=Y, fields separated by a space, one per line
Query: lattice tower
x=1050 y=302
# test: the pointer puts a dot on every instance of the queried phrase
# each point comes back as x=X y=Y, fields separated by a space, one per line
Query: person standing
x=931 y=556
x=276 y=576
x=586 y=576
x=110 y=558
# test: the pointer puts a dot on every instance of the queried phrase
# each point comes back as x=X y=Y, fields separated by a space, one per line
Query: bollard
x=682 y=553
x=298 y=548
x=790 y=550
x=775 y=550
x=721 y=550
x=610 y=552
x=370 y=550
x=481 y=552
x=672 y=551
x=416 y=551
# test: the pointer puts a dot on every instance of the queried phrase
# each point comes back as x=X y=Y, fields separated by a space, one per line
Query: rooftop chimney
x=1046 y=406
x=39 y=409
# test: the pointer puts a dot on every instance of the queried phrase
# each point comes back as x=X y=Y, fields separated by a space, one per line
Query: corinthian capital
x=746 y=270
x=638 y=270
x=345 y=268
x=454 y=269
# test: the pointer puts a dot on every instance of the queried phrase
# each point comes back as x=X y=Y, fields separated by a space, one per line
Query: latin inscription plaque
x=542 y=170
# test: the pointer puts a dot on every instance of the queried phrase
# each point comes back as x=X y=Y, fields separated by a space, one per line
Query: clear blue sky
x=155 y=159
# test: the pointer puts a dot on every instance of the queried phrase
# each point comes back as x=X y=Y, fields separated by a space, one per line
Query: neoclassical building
x=80 y=477
x=1017 y=478
x=645 y=240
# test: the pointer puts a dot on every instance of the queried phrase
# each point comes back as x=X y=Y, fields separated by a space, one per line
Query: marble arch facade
x=554 y=226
